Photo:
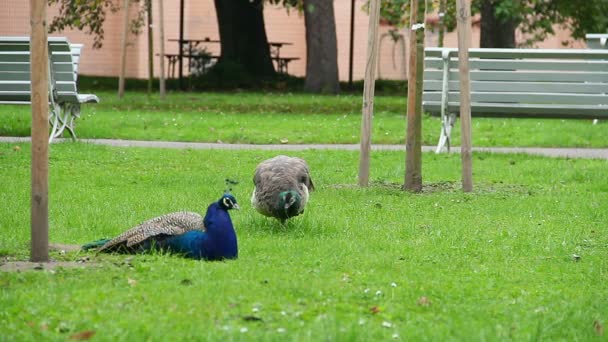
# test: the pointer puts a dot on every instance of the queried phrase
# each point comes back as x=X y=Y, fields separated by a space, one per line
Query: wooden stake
x=413 y=145
x=123 y=51
x=441 y=22
x=161 y=28
x=368 y=92
x=39 y=70
x=150 y=46
x=463 y=8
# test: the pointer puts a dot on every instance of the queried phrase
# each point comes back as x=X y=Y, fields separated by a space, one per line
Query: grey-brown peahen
x=282 y=187
x=187 y=233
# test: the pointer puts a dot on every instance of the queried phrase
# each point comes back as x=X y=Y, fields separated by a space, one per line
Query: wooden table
x=188 y=47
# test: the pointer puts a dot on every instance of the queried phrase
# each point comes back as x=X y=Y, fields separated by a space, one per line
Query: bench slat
x=522 y=53
x=25 y=67
x=533 y=87
x=527 y=98
x=518 y=64
x=522 y=76
x=522 y=110
x=9 y=76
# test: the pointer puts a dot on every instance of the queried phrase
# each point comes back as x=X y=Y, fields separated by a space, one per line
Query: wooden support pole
x=368 y=92
x=150 y=46
x=441 y=34
x=463 y=8
x=123 y=51
x=413 y=145
x=180 y=58
x=351 y=43
x=161 y=28
x=39 y=70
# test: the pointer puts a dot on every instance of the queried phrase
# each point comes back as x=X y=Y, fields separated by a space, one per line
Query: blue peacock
x=186 y=233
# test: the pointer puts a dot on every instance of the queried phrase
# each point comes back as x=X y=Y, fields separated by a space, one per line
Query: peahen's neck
x=289 y=204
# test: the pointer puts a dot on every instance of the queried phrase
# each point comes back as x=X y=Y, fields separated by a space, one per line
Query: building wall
x=200 y=22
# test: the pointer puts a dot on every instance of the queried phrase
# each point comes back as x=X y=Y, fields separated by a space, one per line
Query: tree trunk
x=495 y=32
x=243 y=36
x=321 y=47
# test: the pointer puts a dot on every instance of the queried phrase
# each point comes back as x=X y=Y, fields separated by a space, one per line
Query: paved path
x=596 y=153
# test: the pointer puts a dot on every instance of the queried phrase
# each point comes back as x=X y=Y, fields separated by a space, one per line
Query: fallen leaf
x=83 y=335
x=284 y=141
x=131 y=282
x=374 y=309
x=252 y=318
x=599 y=329
x=424 y=301
x=17 y=148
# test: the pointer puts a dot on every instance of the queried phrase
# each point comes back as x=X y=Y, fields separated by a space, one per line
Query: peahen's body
x=187 y=233
x=282 y=187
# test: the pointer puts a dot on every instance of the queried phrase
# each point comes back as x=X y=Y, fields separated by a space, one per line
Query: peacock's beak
x=236 y=206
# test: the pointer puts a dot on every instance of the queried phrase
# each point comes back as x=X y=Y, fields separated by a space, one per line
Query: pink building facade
x=200 y=22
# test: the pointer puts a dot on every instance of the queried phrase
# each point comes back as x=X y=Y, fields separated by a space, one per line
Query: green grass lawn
x=273 y=118
x=360 y=264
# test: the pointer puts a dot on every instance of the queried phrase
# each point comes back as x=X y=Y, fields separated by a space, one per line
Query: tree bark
x=495 y=32
x=321 y=47
x=243 y=36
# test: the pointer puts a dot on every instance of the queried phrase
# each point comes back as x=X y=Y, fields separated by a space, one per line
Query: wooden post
x=150 y=47
x=123 y=51
x=180 y=58
x=413 y=145
x=39 y=70
x=352 y=43
x=368 y=92
x=463 y=8
x=442 y=10
x=161 y=28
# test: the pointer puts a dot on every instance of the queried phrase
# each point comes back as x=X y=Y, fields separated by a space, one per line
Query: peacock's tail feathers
x=166 y=225
x=95 y=244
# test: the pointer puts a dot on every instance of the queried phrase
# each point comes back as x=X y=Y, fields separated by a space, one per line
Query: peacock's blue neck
x=216 y=243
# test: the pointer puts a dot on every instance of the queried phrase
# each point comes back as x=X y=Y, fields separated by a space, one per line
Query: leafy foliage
x=536 y=18
x=90 y=15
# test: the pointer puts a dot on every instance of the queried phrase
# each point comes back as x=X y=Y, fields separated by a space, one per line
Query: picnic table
x=189 y=48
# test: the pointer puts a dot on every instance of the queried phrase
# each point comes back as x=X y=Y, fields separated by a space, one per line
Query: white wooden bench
x=597 y=40
x=517 y=83
x=64 y=100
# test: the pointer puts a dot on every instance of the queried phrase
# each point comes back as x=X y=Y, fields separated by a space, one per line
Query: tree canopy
x=534 y=18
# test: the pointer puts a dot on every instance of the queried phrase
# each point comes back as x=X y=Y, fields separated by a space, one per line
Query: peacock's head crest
x=228 y=201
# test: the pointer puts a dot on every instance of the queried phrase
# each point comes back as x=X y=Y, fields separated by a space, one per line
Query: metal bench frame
x=64 y=100
x=517 y=83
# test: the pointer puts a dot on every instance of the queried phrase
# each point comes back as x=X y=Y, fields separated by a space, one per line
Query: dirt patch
x=21 y=266
x=12 y=264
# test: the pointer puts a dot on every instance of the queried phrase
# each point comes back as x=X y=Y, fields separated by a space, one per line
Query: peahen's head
x=289 y=203
x=228 y=202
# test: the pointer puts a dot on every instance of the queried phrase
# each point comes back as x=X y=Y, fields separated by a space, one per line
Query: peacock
x=187 y=233
x=282 y=187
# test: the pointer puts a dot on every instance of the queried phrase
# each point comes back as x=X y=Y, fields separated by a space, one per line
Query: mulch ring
x=10 y=264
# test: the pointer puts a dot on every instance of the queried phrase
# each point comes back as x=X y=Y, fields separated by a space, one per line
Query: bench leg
x=53 y=121
x=61 y=117
x=447 y=123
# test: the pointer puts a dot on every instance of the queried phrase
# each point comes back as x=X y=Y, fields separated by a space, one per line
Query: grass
x=360 y=264
x=293 y=118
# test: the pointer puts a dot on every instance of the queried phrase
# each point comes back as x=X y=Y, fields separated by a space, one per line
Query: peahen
x=187 y=233
x=282 y=187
